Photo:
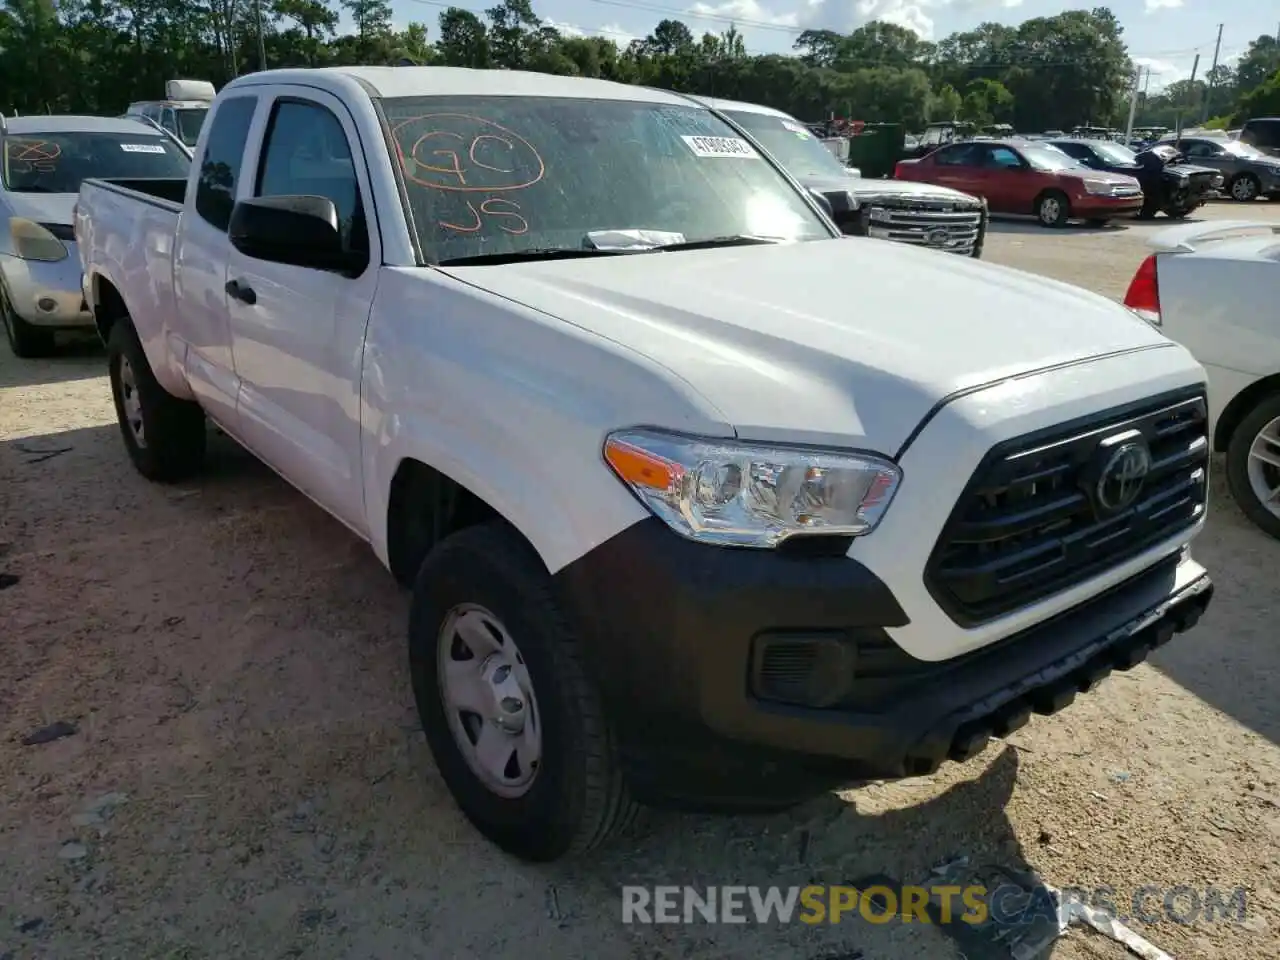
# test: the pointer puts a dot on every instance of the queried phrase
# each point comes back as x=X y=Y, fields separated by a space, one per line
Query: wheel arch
x=1238 y=408
x=108 y=305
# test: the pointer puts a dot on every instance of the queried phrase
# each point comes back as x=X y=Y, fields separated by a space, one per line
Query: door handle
x=241 y=292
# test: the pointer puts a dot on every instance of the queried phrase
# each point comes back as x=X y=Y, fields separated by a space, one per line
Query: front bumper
x=47 y=294
x=1097 y=207
x=750 y=678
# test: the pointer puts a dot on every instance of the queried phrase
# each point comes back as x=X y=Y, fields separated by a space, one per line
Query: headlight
x=1097 y=186
x=33 y=242
x=1184 y=181
x=749 y=495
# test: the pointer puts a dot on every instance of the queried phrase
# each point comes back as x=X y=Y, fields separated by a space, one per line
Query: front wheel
x=1245 y=188
x=516 y=726
x=1053 y=209
x=26 y=341
x=165 y=435
x=1253 y=465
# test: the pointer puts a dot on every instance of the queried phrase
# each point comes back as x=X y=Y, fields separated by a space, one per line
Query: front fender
x=512 y=404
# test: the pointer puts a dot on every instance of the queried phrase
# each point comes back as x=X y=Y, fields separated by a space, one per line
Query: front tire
x=165 y=435
x=1245 y=188
x=1253 y=465
x=516 y=726
x=26 y=341
x=1053 y=209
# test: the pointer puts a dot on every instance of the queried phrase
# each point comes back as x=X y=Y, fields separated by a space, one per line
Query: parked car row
x=1062 y=179
x=680 y=525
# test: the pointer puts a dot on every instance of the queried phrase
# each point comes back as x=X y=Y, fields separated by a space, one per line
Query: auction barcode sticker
x=721 y=147
x=142 y=148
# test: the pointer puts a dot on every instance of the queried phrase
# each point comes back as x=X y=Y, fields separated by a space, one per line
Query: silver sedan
x=44 y=160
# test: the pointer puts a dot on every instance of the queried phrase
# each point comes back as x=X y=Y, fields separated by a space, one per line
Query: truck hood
x=847 y=342
x=865 y=190
x=44 y=207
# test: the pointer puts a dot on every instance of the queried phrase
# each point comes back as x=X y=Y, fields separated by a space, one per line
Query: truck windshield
x=190 y=120
x=795 y=147
x=57 y=162
x=495 y=175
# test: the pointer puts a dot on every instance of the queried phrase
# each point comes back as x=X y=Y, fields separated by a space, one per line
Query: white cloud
x=1153 y=5
x=1157 y=67
x=750 y=11
x=610 y=31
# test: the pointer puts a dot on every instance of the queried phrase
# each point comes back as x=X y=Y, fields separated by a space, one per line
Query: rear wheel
x=25 y=340
x=1253 y=465
x=1053 y=209
x=516 y=726
x=1245 y=187
x=165 y=436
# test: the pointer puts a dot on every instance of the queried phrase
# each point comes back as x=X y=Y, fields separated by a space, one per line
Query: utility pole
x=1133 y=103
x=262 y=49
x=1177 y=129
x=1213 y=76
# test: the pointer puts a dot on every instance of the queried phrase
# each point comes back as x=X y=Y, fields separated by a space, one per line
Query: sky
x=1163 y=35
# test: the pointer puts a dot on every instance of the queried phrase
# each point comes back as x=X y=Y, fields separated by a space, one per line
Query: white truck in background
x=680 y=526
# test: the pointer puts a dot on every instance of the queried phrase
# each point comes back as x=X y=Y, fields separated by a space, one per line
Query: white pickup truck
x=680 y=527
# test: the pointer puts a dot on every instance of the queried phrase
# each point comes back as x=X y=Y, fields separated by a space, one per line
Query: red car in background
x=1025 y=177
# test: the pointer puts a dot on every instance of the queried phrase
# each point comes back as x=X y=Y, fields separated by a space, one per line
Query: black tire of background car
x=26 y=341
x=578 y=799
x=1251 y=184
x=1064 y=208
x=174 y=430
x=1242 y=439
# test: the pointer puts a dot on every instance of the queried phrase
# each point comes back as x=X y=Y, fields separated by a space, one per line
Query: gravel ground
x=246 y=778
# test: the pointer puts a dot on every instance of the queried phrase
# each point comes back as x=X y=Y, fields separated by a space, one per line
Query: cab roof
x=37 y=123
x=740 y=106
x=456 y=82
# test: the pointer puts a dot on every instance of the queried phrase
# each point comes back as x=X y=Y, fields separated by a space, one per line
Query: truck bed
x=167 y=192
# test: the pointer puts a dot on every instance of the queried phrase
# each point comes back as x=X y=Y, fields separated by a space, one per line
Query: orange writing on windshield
x=463 y=153
x=506 y=211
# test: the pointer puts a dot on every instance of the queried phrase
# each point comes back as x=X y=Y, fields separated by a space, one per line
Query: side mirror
x=821 y=200
x=298 y=230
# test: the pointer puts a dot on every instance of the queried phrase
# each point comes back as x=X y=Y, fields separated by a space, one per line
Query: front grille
x=1030 y=522
x=944 y=226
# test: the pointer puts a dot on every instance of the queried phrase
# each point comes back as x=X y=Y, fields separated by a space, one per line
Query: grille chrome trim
x=920 y=222
x=1025 y=527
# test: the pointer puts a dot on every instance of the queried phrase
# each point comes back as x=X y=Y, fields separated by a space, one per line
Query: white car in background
x=1213 y=287
x=44 y=159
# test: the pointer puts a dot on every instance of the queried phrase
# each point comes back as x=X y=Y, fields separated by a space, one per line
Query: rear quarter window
x=1261 y=133
x=220 y=164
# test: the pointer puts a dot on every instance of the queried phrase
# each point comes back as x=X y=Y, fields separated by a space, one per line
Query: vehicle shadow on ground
x=77 y=357
x=1236 y=671
x=1003 y=225
x=234 y=662
x=960 y=837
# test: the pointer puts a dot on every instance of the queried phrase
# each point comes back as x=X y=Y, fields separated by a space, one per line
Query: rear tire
x=165 y=436
x=572 y=797
x=1251 y=479
x=26 y=341
x=1053 y=209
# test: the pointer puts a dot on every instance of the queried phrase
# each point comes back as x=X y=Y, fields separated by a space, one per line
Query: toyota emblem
x=1122 y=476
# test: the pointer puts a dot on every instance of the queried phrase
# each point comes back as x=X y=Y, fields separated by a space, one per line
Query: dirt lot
x=247 y=780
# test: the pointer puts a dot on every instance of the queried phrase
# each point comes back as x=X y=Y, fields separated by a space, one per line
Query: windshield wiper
x=533 y=253
x=736 y=240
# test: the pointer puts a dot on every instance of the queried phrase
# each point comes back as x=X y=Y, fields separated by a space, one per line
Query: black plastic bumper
x=674 y=631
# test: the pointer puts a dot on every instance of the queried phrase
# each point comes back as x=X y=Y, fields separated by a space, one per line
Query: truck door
x=200 y=262
x=298 y=333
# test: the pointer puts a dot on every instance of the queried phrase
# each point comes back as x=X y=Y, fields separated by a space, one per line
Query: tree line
x=96 y=56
